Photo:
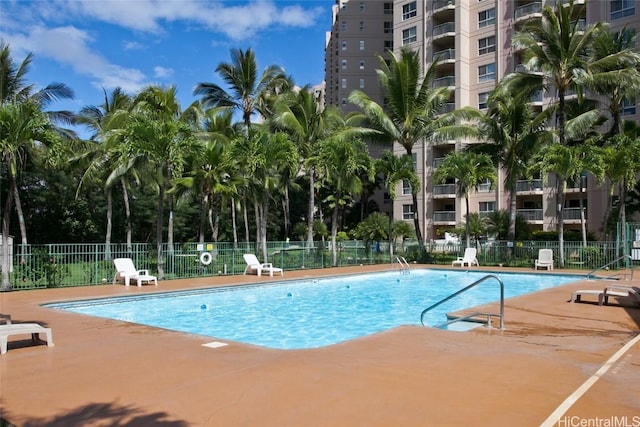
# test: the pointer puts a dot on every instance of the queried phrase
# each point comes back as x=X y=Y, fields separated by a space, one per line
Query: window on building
x=486 y=45
x=343 y=101
x=409 y=36
x=414 y=159
x=388 y=44
x=388 y=27
x=388 y=8
x=484 y=186
x=486 y=18
x=361 y=7
x=362 y=25
x=409 y=10
x=628 y=107
x=406 y=187
x=622 y=8
x=344 y=45
x=344 y=83
x=344 y=64
x=343 y=26
x=482 y=100
x=486 y=72
x=407 y=211
x=362 y=64
x=486 y=207
x=361 y=83
x=361 y=44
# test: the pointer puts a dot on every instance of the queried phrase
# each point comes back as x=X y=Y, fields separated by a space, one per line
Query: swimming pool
x=312 y=313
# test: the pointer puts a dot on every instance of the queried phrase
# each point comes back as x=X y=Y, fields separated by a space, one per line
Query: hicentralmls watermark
x=622 y=421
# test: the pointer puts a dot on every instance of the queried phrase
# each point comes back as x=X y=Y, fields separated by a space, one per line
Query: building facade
x=472 y=40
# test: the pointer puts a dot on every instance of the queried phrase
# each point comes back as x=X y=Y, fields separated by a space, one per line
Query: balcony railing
x=437 y=4
x=529 y=185
x=572 y=213
x=442 y=189
x=530 y=214
x=528 y=9
x=445 y=54
x=448 y=107
x=437 y=162
x=448 y=27
x=444 y=81
x=444 y=216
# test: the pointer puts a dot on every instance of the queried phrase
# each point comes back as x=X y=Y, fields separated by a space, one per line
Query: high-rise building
x=472 y=40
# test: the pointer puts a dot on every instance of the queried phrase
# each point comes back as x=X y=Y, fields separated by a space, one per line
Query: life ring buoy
x=205 y=258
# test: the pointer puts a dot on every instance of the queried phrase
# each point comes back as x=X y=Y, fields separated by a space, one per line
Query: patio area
x=105 y=372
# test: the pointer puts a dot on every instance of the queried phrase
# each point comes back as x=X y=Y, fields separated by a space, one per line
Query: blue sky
x=94 y=44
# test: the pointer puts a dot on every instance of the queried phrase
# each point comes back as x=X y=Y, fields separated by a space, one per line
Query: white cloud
x=237 y=21
x=131 y=45
x=70 y=47
x=162 y=72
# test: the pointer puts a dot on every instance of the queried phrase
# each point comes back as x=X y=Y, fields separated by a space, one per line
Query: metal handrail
x=404 y=265
x=474 y=284
x=590 y=274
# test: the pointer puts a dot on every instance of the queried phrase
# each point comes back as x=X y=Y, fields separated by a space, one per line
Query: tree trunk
x=16 y=196
x=623 y=215
x=286 y=206
x=170 y=226
x=560 y=221
x=607 y=213
x=202 y=217
x=334 y=234
x=159 y=222
x=416 y=217
x=263 y=224
x=246 y=219
x=583 y=222
x=311 y=208
x=467 y=225
x=391 y=236
x=6 y=262
x=127 y=211
x=107 y=237
x=234 y=226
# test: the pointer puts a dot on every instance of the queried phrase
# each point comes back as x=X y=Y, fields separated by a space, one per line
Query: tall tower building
x=472 y=40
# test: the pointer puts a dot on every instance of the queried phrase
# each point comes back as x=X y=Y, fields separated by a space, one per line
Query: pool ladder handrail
x=591 y=276
x=404 y=265
x=455 y=294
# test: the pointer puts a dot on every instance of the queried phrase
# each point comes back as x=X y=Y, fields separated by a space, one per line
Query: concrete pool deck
x=104 y=372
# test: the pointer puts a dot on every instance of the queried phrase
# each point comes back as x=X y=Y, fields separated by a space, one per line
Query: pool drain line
x=553 y=419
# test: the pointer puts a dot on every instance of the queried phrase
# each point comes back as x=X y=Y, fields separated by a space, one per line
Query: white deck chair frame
x=126 y=270
x=253 y=264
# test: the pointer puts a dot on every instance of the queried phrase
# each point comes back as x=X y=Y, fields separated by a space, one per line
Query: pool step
x=461 y=326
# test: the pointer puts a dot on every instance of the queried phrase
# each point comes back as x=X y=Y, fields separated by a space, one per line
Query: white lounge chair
x=609 y=291
x=545 y=259
x=127 y=271
x=254 y=265
x=21 y=329
x=468 y=259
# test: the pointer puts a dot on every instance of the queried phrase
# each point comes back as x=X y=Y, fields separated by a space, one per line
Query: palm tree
x=514 y=132
x=395 y=169
x=158 y=140
x=105 y=120
x=304 y=118
x=412 y=109
x=569 y=163
x=614 y=71
x=14 y=90
x=342 y=161
x=556 y=52
x=247 y=89
x=470 y=170
x=622 y=160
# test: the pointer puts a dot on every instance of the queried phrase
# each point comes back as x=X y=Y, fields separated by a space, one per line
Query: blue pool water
x=312 y=313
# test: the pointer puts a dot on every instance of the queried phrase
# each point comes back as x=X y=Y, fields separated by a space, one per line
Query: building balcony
x=529 y=186
x=572 y=214
x=530 y=215
x=446 y=29
x=438 y=4
x=445 y=55
x=444 y=81
x=444 y=217
x=444 y=190
x=437 y=162
x=528 y=11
